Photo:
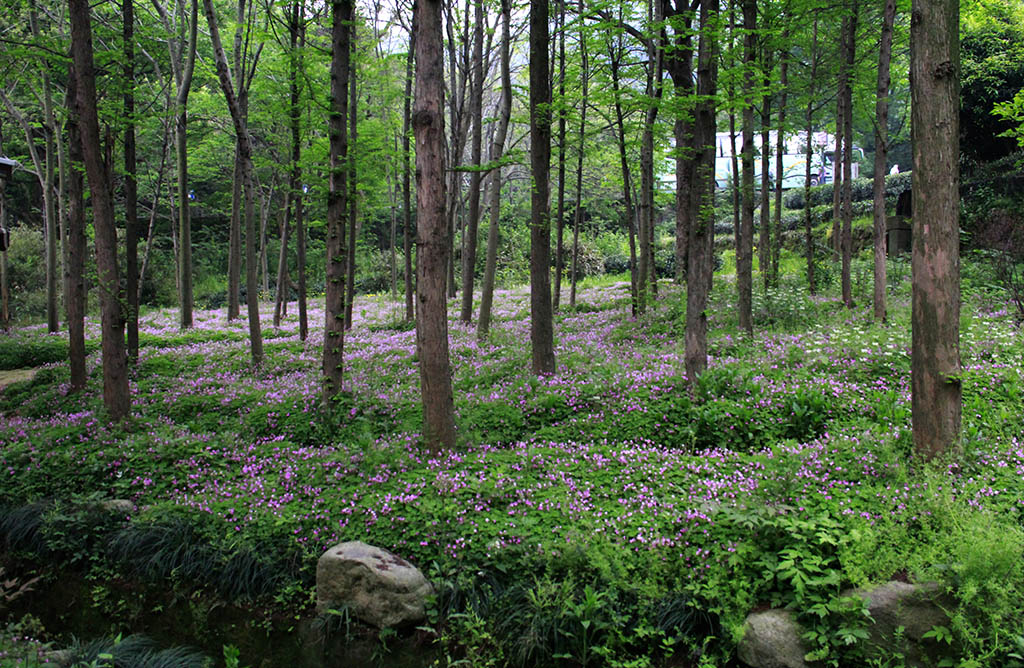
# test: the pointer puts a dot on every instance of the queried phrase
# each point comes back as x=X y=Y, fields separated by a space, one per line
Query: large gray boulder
x=771 y=639
x=375 y=585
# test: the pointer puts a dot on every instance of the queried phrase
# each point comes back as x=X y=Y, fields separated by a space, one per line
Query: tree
x=849 y=42
x=935 y=258
x=497 y=147
x=407 y=233
x=432 y=231
x=745 y=243
x=881 y=152
x=337 y=202
x=131 y=216
x=115 y=364
x=244 y=143
x=476 y=96
x=577 y=219
x=542 y=332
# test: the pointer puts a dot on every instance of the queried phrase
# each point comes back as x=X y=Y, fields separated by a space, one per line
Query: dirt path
x=10 y=376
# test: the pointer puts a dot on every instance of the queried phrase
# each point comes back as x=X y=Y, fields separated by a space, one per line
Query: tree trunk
x=780 y=149
x=497 y=148
x=406 y=178
x=627 y=188
x=744 y=253
x=131 y=215
x=541 y=321
x=75 y=244
x=245 y=146
x=808 y=156
x=432 y=237
x=881 y=155
x=115 y=367
x=5 y=297
x=847 y=194
x=935 y=260
x=702 y=230
x=337 y=202
x=577 y=219
x=235 y=240
x=353 y=193
x=476 y=152
x=281 y=293
x=560 y=211
x=181 y=140
x=297 y=43
x=764 y=255
x=837 y=165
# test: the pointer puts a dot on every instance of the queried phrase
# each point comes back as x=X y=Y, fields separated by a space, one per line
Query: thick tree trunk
x=115 y=363
x=497 y=148
x=476 y=152
x=541 y=321
x=702 y=231
x=744 y=253
x=881 y=155
x=935 y=260
x=245 y=146
x=432 y=237
x=337 y=202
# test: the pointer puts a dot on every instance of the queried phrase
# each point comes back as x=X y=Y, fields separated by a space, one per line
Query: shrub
x=863 y=189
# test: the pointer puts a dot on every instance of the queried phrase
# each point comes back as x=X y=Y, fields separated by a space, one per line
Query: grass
x=602 y=513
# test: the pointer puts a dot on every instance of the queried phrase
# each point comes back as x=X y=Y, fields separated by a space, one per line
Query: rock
x=118 y=506
x=58 y=657
x=375 y=585
x=917 y=608
x=771 y=639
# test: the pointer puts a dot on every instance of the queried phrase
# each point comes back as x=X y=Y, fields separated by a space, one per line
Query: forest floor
x=600 y=516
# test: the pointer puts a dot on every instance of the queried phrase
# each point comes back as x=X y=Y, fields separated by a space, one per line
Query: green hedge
x=863 y=189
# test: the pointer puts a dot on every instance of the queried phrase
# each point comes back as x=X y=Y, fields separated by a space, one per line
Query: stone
x=376 y=586
x=118 y=506
x=917 y=608
x=771 y=639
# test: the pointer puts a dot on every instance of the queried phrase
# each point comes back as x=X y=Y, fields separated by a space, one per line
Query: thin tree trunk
x=242 y=134
x=5 y=297
x=935 y=260
x=476 y=153
x=353 y=193
x=75 y=244
x=235 y=240
x=627 y=188
x=881 y=155
x=541 y=321
x=497 y=148
x=181 y=139
x=406 y=178
x=560 y=211
x=297 y=44
x=281 y=293
x=153 y=210
x=432 y=238
x=837 y=166
x=337 y=202
x=764 y=255
x=808 y=156
x=578 y=216
x=847 y=194
x=780 y=149
x=744 y=252
x=115 y=367
x=131 y=214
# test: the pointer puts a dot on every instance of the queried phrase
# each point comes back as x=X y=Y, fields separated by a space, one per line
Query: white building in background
x=794 y=159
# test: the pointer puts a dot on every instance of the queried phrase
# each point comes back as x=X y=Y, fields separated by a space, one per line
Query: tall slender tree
x=881 y=156
x=115 y=363
x=476 y=151
x=432 y=231
x=577 y=219
x=407 y=231
x=337 y=202
x=542 y=329
x=935 y=366
x=744 y=250
x=846 y=197
x=131 y=215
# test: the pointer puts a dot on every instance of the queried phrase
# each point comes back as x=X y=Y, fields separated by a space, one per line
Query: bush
x=863 y=189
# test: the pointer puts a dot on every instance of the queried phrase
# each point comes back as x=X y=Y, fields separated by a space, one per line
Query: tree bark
x=476 y=151
x=75 y=243
x=560 y=205
x=131 y=214
x=627 y=189
x=115 y=364
x=780 y=149
x=702 y=231
x=808 y=156
x=577 y=219
x=407 y=232
x=245 y=146
x=744 y=253
x=764 y=246
x=337 y=202
x=432 y=237
x=181 y=139
x=497 y=148
x=935 y=258
x=353 y=193
x=297 y=43
x=881 y=155
x=541 y=320
x=850 y=25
